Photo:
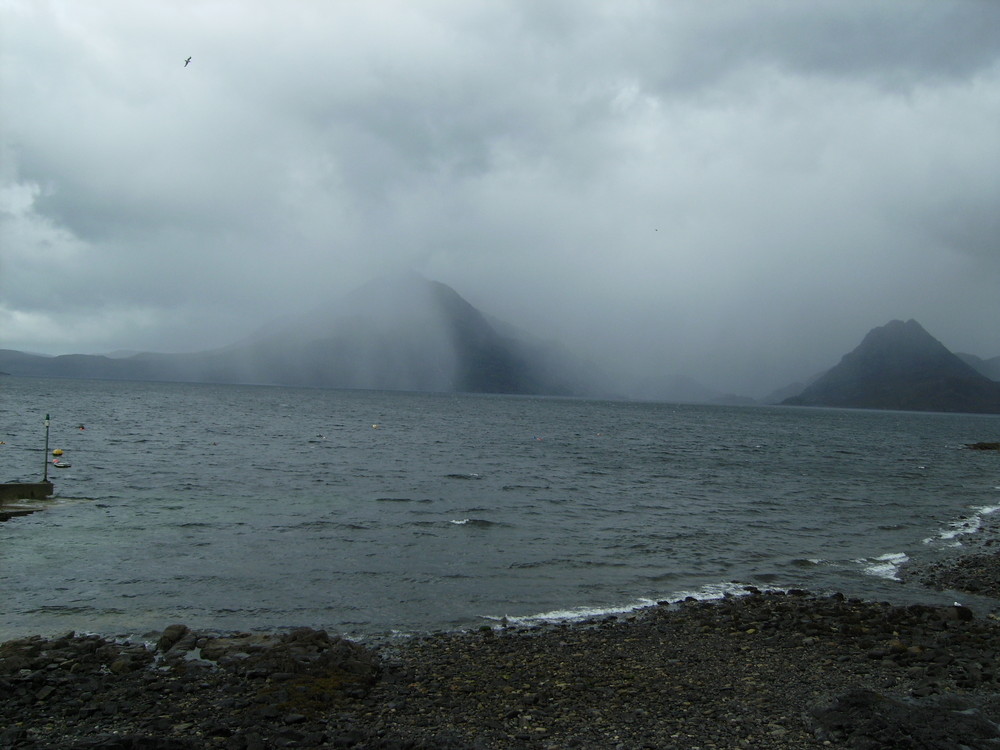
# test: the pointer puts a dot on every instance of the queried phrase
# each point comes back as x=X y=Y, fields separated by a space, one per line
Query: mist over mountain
x=901 y=366
x=395 y=333
x=404 y=332
x=659 y=188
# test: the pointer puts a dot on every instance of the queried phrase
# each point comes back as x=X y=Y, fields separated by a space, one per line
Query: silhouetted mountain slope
x=395 y=333
x=988 y=367
x=901 y=366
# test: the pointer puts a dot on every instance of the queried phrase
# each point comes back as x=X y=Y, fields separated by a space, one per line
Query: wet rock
x=742 y=672
x=12 y=736
x=870 y=721
x=44 y=693
x=171 y=634
x=134 y=742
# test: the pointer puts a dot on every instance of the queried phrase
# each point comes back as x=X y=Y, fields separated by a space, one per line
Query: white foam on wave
x=966 y=525
x=711 y=591
x=885 y=566
x=570 y=615
x=708 y=592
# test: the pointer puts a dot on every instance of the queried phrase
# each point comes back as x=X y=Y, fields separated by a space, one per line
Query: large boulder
x=866 y=720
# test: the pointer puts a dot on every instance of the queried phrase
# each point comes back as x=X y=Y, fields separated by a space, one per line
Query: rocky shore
x=766 y=670
x=977 y=571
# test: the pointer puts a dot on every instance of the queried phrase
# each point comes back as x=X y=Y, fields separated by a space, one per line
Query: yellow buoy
x=57 y=452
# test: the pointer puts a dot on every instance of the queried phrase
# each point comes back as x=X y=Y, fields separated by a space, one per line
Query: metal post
x=45 y=474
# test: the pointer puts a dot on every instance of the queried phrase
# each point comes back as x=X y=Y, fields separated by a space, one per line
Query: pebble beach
x=769 y=669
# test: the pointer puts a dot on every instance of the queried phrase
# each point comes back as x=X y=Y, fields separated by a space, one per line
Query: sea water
x=366 y=513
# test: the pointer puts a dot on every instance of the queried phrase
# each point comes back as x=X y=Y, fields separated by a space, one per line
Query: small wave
x=319 y=523
x=323 y=524
x=766 y=577
x=884 y=566
x=569 y=615
x=65 y=609
x=711 y=591
x=479 y=523
x=660 y=577
x=532 y=564
x=961 y=527
x=400 y=500
x=463 y=476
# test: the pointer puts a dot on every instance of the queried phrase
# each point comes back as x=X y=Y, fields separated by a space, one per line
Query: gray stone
x=869 y=720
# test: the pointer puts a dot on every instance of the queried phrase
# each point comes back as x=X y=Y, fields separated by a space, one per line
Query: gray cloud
x=732 y=191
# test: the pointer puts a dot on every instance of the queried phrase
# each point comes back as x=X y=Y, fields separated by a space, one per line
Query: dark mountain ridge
x=901 y=366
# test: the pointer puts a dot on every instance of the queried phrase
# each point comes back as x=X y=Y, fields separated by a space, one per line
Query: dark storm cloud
x=892 y=44
x=736 y=191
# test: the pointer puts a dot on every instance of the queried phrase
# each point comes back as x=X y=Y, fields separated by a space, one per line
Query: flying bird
x=186 y=62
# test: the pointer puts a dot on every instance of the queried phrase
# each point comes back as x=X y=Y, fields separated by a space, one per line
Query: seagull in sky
x=186 y=62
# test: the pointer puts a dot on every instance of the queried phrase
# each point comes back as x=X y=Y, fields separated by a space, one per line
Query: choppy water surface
x=238 y=507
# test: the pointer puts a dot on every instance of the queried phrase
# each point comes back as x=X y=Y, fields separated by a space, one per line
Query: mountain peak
x=906 y=350
x=901 y=366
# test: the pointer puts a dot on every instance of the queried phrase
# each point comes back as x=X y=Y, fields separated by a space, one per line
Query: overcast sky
x=736 y=191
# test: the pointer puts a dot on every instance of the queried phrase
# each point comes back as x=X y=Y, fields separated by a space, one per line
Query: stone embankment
x=766 y=670
x=20 y=498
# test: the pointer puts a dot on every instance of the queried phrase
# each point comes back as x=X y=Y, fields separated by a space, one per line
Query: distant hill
x=677 y=388
x=396 y=333
x=988 y=367
x=673 y=387
x=789 y=391
x=901 y=366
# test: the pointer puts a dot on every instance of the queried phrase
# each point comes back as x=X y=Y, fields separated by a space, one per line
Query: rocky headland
x=766 y=670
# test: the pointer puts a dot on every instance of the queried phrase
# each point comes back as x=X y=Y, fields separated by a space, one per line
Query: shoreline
x=772 y=669
x=766 y=670
x=940 y=580
x=974 y=568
